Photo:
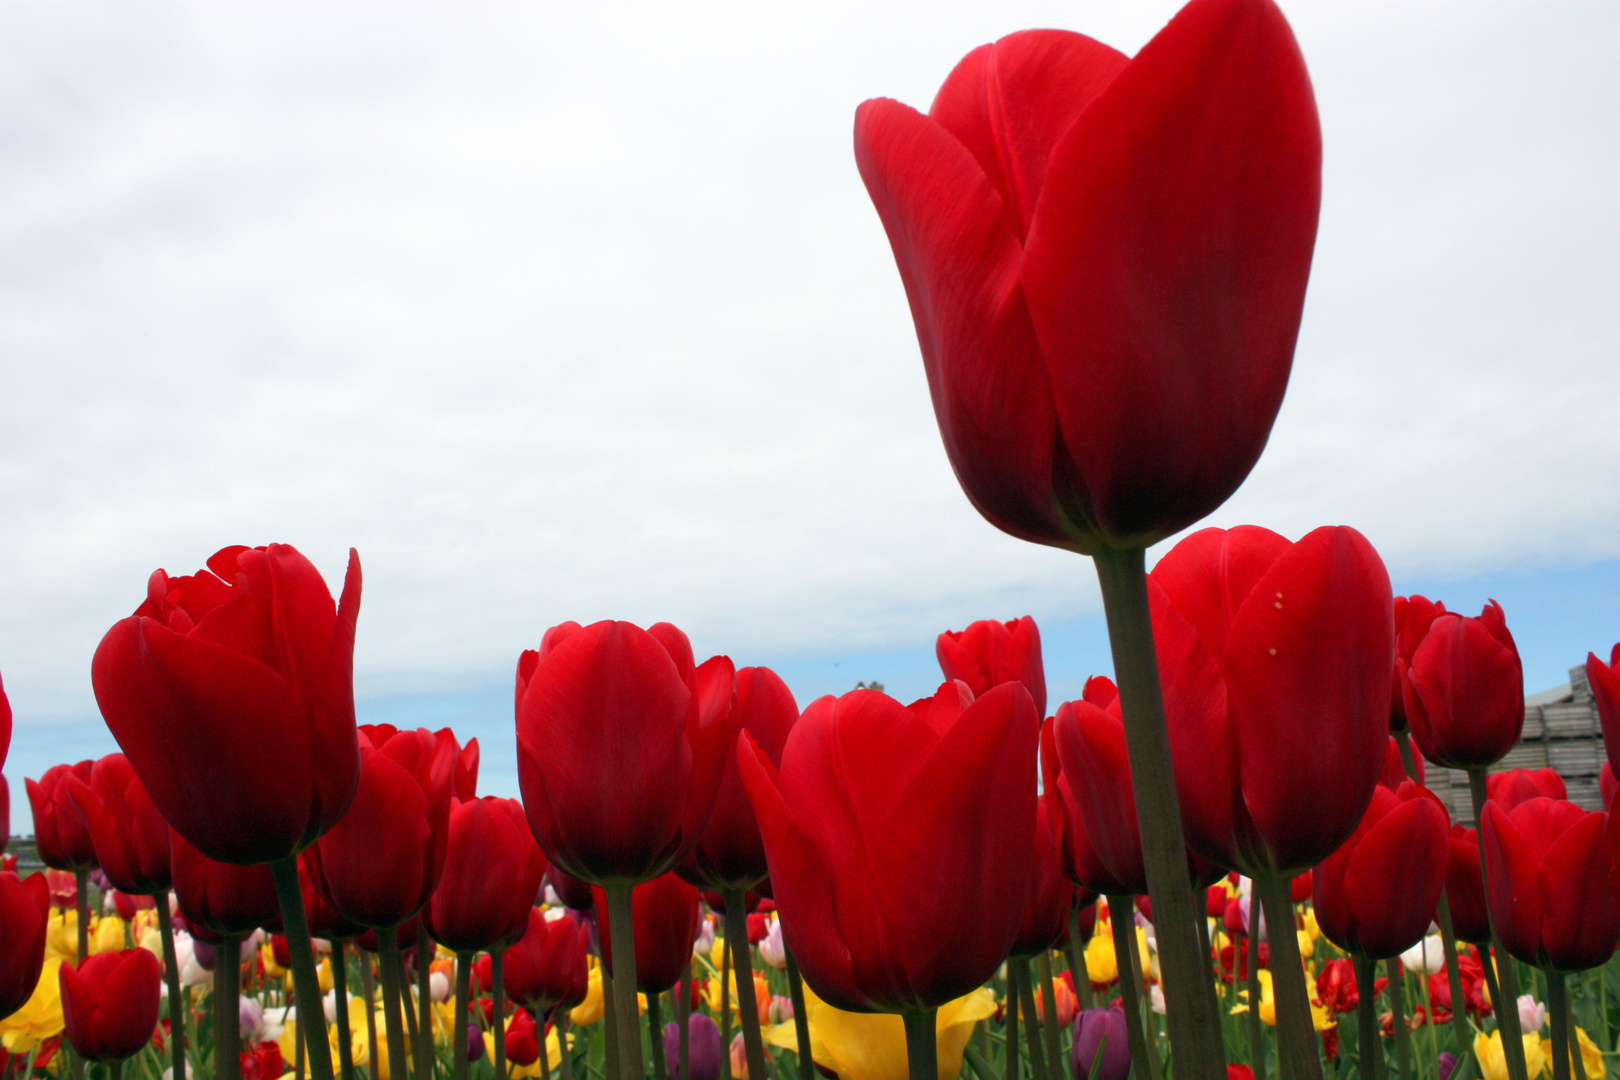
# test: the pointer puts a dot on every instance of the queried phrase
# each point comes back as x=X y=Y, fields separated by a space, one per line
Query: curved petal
x=1209 y=575
x=1395 y=877
x=1582 y=922
x=372 y=860
x=1514 y=889
x=1091 y=746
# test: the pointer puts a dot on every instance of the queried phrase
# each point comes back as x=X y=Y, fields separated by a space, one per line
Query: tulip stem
x=1049 y=1020
x=683 y=1017
x=81 y=910
x=747 y=1005
x=1191 y=1021
x=424 y=1002
x=1397 y=1006
x=921 y=1049
x=725 y=1007
x=227 y=1008
x=655 y=1028
x=610 y=1028
x=1010 y=1034
x=1558 y=1012
x=392 y=971
x=368 y=987
x=458 y=1035
x=1122 y=919
x=115 y=1070
x=1298 y=1047
x=171 y=975
x=1077 y=964
x=622 y=930
x=340 y=994
x=1508 y=1003
x=301 y=950
x=1369 y=1049
x=1257 y=1035
x=801 y=1019
x=1018 y=967
x=412 y=1043
x=1459 y=1000
x=299 y=1046
x=563 y=1051
x=497 y=993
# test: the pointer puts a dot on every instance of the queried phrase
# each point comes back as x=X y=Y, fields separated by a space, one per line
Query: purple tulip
x=475 y=1043
x=1448 y=1062
x=704 y=1048
x=205 y=953
x=1104 y=1030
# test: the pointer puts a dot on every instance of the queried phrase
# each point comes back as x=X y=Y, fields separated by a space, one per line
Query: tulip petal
x=1581 y=918
x=1167 y=261
x=1471 y=685
x=1395 y=875
x=1091 y=746
x=1209 y=575
x=1515 y=894
x=372 y=859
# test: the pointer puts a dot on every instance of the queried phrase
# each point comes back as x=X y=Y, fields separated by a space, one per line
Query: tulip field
x=1220 y=861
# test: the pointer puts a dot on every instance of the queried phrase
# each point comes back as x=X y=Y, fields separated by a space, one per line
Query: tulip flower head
x=219 y=898
x=60 y=837
x=1515 y=786
x=1464 y=690
x=665 y=922
x=989 y=653
x=24 y=917
x=1548 y=874
x=492 y=871
x=1106 y=261
x=1604 y=679
x=1099 y=1039
x=130 y=837
x=110 y=1003
x=704 y=1047
x=231 y=692
x=547 y=967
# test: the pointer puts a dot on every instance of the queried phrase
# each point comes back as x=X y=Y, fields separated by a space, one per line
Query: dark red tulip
x=131 y=838
x=379 y=865
x=622 y=743
x=1274 y=658
x=1045 y=924
x=573 y=892
x=522 y=1039
x=1081 y=863
x=989 y=653
x=1336 y=986
x=221 y=898
x=1300 y=888
x=929 y=898
x=404 y=936
x=1521 y=785
x=1465 y=892
x=492 y=871
x=1378 y=893
x=1604 y=679
x=1106 y=262
x=665 y=919
x=231 y=692
x=547 y=968
x=1548 y=869
x=110 y=1003
x=324 y=921
x=60 y=837
x=731 y=853
x=1413 y=614
x=1394 y=773
x=25 y=906
x=1464 y=690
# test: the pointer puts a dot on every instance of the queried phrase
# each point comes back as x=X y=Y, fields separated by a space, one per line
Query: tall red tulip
x=899 y=839
x=1464 y=690
x=665 y=925
x=131 y=838
x=622 y=743
x=1548 y=872
x=1465 y=889
x=492 y=872
x=1051 y=894
x=231 y=692
x=25 y=906
x=220 y=898
x=731 y=853
x=110 y=1003
x=1521 y=785
x=380 y=864
x=1604 y=679
x=60 y=837
x=1413 y=614
x=1274 y=658
x=547 y=967
x=1377 y=894
x=1106 y=261
x=1081 y=863
x=989 y=653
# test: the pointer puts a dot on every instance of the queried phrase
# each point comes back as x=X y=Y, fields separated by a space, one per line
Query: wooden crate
x=1569 y=720
x=1534 y=727
x=1575 y=757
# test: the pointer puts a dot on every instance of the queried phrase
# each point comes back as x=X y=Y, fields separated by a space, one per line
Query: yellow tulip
x=1321 y=1018
x=41 y=1015
x=151 y=941
x=1591 y=1057
x=1493 y=1063
x=872 y=1046
x=590 y=1010
x=107 y=935
x=1102 y=966
x=717 y=952
x=267 y=957
x=324 y=973
x=62 y=934
x=1311 y=927
x=145 y=922
x=1307 y=945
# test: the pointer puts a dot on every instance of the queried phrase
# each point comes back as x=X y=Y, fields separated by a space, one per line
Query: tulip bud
x=110 y=1003
x=1099 y=1036
x=703 y=1050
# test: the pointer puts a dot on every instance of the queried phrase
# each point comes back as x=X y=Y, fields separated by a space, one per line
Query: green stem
x=1049 y=1021
x=368 y=986
x=747 y=1006
x=1459 y=1000
x=921 y=1049
x=81 y=907
x=1558 y=1011
x=1018 y=966
x=299 y=1051
x=171 y=975
x=458 y=1037
x=306 y=983
x=497 y=992
x=1193 y=1026
x=1257 y=1035
x=1077 y=960
x=424 y=1002
x=1507 y=1005
x=340 y=994
x=1122 y=919
x=622 y=931
x=725 y=1007
x=1298 y=1047
x=1010 y=1013
x=655 y=1028
x=1397 y=1006
x=1370 y=1050
x=227 y=1010
x=610 y=1027
x=801 y=1021
x=563 y=1050
x=392 y=972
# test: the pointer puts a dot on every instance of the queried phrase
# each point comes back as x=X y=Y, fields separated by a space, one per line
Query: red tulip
x=1274 y=658
x=1045 y=924
x=25 y=906
x=492 y=871
x=1465 y=892
x=404 y=936
x=1394 y=774
x=131 y=838
x=110 y=1003
x=1336 y=986
x=1081 y=863
x=547 y=967
x=522 y=1040
x=60 y=837
x=1413 y=614
x=920 y=821
x=323 y=919
x=380 y=864
x=989 y=653
x=1377 y=894
x=221 y=898
x=1548 y=870
x=731 y=853
x=622 y=744
x=464 y=783
x=231 y=692
x=1521 y=785
x=1464 y=690
x=573 y=892
x=665 y=921
x=1106 y=261
x=1607 y=784
x=1604 y=679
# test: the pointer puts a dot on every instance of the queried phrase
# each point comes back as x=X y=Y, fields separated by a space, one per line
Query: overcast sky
x=581 y=311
